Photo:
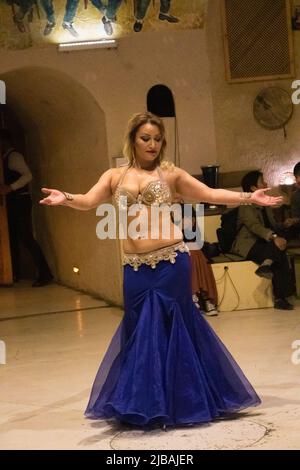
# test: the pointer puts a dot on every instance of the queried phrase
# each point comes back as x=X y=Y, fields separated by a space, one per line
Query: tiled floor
x=52 y=359
x=22 y=300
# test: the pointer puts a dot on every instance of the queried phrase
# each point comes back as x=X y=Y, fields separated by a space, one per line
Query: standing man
x=140 y=10
x=25 y=7
x=109 y=13
x=108 y=10
x=49 y=10
x=17 y=176
x=70 y=13
x=295 y=200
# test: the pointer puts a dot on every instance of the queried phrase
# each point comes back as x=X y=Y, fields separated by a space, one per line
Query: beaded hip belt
x=152 y=258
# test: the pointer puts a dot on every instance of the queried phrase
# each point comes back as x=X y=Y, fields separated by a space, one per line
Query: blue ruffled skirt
x=165 y=364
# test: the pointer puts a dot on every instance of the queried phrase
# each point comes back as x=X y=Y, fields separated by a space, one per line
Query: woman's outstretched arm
x=99 y=193
x=192 y=189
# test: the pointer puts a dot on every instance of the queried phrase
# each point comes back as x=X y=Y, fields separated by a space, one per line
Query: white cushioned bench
x=239 y=288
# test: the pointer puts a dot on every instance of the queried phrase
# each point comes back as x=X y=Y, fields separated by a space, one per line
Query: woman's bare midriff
x=145 y=246
x=147 y=243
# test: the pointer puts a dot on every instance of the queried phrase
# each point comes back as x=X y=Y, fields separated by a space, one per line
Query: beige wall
x=74 y=108
x=241 y=142
x=66 y=148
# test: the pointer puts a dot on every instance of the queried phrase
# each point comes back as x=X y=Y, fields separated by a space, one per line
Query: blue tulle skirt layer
x=165 y=364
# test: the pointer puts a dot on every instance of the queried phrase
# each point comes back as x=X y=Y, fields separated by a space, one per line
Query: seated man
x=293 y=222
x=258 y=241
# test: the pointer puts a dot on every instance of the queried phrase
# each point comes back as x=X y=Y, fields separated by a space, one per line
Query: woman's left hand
x=260 y=198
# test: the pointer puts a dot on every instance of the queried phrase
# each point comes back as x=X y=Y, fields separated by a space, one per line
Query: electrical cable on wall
x=224 y=276
x=217 y=282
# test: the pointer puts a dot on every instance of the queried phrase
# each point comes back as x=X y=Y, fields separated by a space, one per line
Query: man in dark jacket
x=17 y=176
x=258 y=240
x=295 y=199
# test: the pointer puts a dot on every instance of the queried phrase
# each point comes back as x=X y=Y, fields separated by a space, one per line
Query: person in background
x=17 y=176
x=204 y=289
x=68 y=19
x=109 y=13
x=24 y=9
x=140 y=10
x=293 y=223
x=258 y=239
x=108 y=10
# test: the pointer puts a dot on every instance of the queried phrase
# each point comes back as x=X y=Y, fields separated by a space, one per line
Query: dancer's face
x=147 y=145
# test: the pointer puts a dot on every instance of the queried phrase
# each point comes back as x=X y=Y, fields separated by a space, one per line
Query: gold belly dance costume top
x=156 y=192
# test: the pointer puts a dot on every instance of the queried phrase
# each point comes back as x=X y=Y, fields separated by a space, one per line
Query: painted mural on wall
x=25 y=23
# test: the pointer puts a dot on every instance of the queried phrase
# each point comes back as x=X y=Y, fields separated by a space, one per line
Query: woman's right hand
x=54 y=198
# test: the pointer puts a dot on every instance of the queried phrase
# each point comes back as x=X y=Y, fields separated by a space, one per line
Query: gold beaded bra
x=155 y=192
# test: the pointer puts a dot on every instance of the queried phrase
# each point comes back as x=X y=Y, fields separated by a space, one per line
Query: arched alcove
x=66 y=148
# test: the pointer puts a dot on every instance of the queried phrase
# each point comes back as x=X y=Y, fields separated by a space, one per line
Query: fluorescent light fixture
x=79 y=45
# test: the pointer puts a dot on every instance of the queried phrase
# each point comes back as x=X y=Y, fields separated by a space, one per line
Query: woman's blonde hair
x=134 y=124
